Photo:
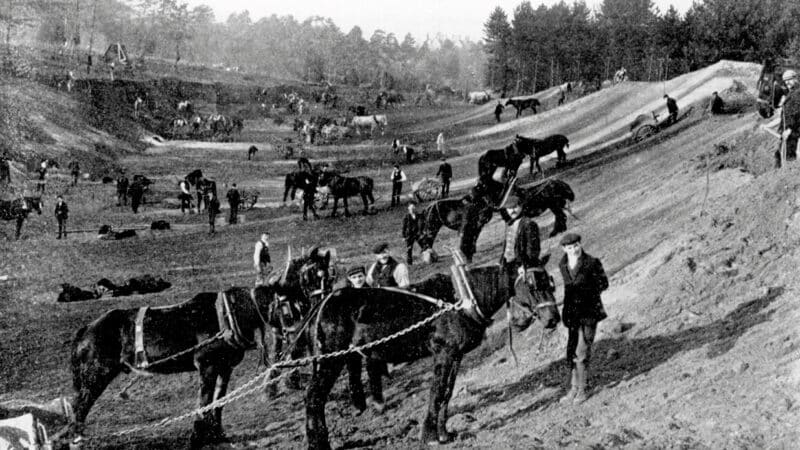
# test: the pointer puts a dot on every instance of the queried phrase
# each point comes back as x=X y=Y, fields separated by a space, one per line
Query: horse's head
x=524 y=145
x=35 y=204
x=326 y=178
x=534 y=298
x=310 y=275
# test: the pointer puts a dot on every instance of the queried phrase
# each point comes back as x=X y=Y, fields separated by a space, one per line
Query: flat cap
x=356 y=270
x=570 y=238
x=511 y=202
x=380 y=248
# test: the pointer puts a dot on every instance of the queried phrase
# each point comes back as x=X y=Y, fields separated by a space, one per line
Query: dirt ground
x=699 y=237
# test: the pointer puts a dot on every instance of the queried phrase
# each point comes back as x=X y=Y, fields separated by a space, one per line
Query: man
x=717 y=105
x=356 y=277
x=42 y=171
x=445 y=173
x=234 y=199
x=122 y=189
x=5 y=169
x=397 y=177
x=185 y=197
x=561 y=97
x=498 y=110
x=440 y=145
x=584 y=280
x=75 y=170
x=790 y=117
x=309 y=187
x=213 y=210
x=672 y=109
x=262 y=262
x=386 y=271
x=62 y=213
x=303 y=164
x=137 y=193
x=521 y=245
x=411 y=230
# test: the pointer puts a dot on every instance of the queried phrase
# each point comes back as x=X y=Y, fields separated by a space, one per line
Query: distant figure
x=440 y=146
x=185 y=197
x=122 y=190
x=308 y=184
x=136 y=190
x=5 y=169
x=790 y=116
x=397 y=178
x=717 y=105
x=445 y=173
x=137 y=106
x=498 y=110
x=75 y=170
x=672 y=108
x=213 y=210
x=251 y=152
x=62 y=214
x=262 y=262
x=561 y=97
x=304 y=164
x=42 y=171
x=234 y=199
x=89 y=64
x=411 y=230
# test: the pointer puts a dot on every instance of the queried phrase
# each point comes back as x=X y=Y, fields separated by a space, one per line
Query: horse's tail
x=75 y=358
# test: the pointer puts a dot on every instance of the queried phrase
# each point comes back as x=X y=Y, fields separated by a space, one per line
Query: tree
x=497 y=36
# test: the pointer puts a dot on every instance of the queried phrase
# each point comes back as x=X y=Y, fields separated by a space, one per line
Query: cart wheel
x=644 y=132
x=428 y=190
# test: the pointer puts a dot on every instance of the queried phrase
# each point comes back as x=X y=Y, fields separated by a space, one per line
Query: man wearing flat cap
x=387 y=271
x=521 y=246
x=584 y=280
x=356 y=277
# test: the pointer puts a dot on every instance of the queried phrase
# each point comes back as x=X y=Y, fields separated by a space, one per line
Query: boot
x=572 y=386
x=580 y=389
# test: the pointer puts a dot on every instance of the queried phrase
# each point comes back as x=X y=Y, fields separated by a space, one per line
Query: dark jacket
x=411 y=227
x=122 y=185
x=234 y=198
x=672 y=105
x=383 y=274
x=445 y=171
x=582 y=291
x=62 y=212
x=213 y=207
x=791 y=111
x=528 y=244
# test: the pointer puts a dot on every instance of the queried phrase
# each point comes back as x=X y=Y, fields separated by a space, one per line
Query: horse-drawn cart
x=644 y=127
x=426 y=189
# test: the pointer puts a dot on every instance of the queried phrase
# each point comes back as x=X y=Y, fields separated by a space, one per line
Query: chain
x=262 y=380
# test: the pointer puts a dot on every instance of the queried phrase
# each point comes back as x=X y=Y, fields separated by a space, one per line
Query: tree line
x=536 y=48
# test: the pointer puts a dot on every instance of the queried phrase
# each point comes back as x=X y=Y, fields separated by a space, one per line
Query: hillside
x=698 y=235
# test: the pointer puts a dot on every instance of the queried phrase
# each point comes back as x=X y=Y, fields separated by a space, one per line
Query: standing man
x=75 y=170
x=62 y=213
x=185 y=197
x=411 y=230
x=790 y=117
x=672 y=108
x=584 y=280
x=561 y=97
x=5 y=169
x=440 y=145
x=717 y=105
x=137 y=193
x=386 y=271
x=122 y=189
x=498 y=110
x=521 y=245
x=213 y=210
x=42 y=171
x=398 y=177
x=234 y=199
x=445 y=173
x=309 y=187
x=262 y=262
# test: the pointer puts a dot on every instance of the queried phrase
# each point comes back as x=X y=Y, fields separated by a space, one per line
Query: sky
x=452 y=18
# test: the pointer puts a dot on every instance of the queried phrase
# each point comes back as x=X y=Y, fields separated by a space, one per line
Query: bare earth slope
x=701 y=348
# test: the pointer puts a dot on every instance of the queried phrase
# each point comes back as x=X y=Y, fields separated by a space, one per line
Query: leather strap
x=140 y=356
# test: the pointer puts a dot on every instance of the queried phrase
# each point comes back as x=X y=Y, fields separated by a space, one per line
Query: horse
x=344 y=187
x=408 y=152
x=352 y=317
x=536 y=148
x=496 y=167
x=251 y=152
x=521 y=104
x=554 y=195
x=208 y=333
x=295 y=180
x=478 y=97
x=18 y=209
x=385 y=99
x=372 y=122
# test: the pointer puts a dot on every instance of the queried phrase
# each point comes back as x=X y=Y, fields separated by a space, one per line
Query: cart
x=654 y=126
x=426 y=189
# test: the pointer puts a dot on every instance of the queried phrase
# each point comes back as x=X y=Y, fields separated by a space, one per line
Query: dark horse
x=352 y=317
x=508 y=160
x=209 y=333
x=296 y=180
x=536 y=199
x=537 y=148
x=14 y=210
x=344 y=187
x=523 y=104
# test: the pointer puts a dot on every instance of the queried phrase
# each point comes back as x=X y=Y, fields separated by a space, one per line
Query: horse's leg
x=274 y=349
x=562 y=155
x=366 y=203
x=442 y=366
x=90 y=379
x=539 y=167
x=354 y=379
x=375 y=371
x=561 y=219
x=20 y=219
x=323 y=377
x=335 y=205
x=203 y=425
x=449 y=382
x=346 y=211
x=223 y=379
